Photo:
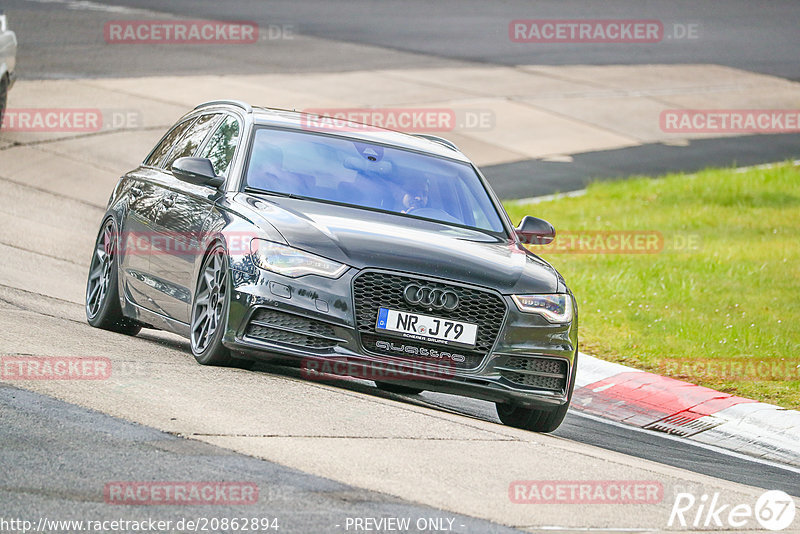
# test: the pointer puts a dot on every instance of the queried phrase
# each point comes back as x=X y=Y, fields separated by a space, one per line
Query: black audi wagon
x=258 y=233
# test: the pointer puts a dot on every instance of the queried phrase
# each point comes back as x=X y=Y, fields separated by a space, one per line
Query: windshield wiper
x=248 y=189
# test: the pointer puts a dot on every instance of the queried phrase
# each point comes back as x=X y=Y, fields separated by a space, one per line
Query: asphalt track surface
x=535 y=177
x=756 y=37
x=61 y=39
x=57 y=458
x=56 y=455
x=592 y=430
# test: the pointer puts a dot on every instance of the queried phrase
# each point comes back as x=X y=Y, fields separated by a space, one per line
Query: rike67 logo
x=774 y=510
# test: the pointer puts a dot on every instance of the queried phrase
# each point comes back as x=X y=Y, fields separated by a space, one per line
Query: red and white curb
x=689 y=411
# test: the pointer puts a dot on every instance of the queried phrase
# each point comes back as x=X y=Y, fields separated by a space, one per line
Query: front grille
x=537 y=365
x=372 y=290
x=280 y=327
x=538 y=373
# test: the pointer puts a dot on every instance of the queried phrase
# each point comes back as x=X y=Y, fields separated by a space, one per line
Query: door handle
x=135 y=191
x=168 y=201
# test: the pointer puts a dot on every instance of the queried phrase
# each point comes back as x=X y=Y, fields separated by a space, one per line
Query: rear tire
x=535 y=420
x=103 y=308
x=391 y=387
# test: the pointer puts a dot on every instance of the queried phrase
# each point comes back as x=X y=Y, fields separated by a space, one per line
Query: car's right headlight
x=292 y=262
x=556 y=307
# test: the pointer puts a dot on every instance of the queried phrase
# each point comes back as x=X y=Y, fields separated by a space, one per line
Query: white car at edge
x=8 y=55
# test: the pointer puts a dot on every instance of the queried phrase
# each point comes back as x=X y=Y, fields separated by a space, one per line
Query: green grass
x=733 y=298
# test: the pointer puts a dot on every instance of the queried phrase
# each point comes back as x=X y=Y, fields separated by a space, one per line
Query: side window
x=191 y=139
x=160 y=152
x=222 y=145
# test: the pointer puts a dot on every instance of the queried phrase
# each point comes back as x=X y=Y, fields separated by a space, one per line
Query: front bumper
x=314 y=320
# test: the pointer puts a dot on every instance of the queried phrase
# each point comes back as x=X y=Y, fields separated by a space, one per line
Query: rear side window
x=160 y=152
x=222 y=145
x=192 y=138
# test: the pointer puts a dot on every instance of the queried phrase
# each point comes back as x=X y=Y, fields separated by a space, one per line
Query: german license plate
x=425 y=328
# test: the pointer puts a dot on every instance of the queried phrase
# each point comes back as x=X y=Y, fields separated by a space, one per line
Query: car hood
x=364 y=238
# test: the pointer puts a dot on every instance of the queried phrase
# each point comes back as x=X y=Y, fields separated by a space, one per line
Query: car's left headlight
x=556 y=308
x=292 y=262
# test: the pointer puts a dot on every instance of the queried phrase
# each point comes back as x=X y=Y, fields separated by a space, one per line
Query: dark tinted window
x=160 y=152
x=190 y=140
x=222 y=145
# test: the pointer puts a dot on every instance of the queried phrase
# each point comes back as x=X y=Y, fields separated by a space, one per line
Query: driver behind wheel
x=416 y=196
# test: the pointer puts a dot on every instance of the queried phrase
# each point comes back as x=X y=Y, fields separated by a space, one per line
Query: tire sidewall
x=215 y=353
x=102 y=317
x=3 y=98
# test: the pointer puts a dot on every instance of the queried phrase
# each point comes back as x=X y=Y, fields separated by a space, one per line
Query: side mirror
x=535 y=231
x=198 y=171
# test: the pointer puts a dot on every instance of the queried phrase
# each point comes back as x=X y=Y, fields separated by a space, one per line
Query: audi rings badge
x=431 y=297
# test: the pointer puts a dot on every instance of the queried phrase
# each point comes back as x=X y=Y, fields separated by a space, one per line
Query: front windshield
x=362 y=174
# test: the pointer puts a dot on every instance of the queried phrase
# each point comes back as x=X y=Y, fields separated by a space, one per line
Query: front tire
x=541 y=420
x=3 y=98
x=535 y=420
x=391 y=387
x=210 y=310
x=103 y=308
